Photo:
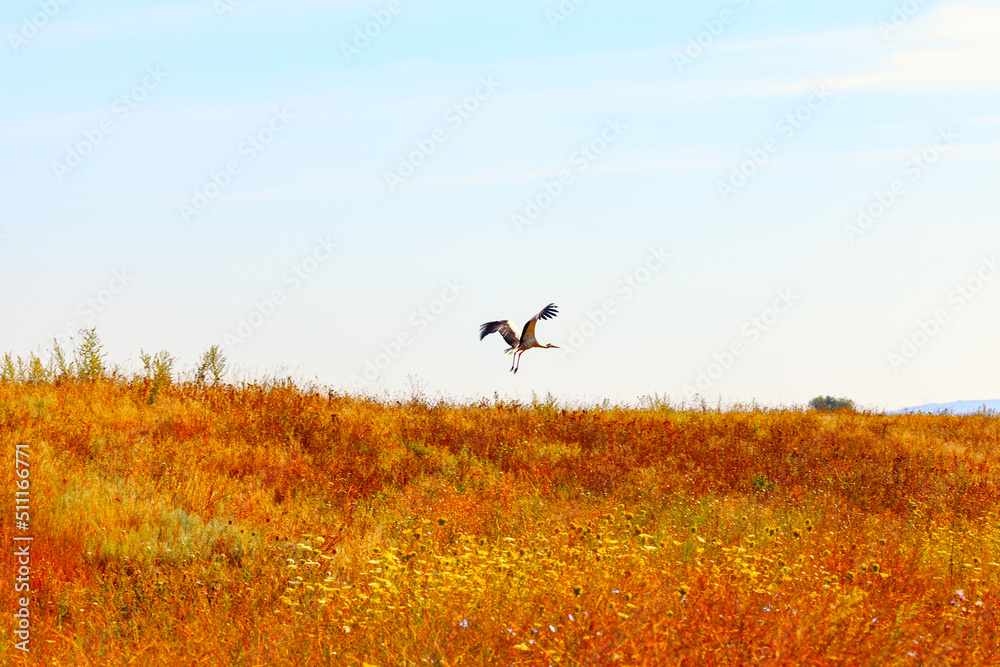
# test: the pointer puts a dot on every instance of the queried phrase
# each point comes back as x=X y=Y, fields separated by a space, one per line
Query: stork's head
x=550 y=345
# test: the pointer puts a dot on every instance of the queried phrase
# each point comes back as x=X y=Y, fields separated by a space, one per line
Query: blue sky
x=748 y=201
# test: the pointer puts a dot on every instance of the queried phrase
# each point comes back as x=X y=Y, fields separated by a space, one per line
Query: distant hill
x=955 y=407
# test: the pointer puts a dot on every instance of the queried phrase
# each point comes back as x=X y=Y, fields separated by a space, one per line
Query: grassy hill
x=268 y=524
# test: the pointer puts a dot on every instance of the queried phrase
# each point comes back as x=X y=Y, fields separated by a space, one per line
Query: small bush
x=89 y=358
x=212 y=364
x=831 y=404
x=157 y=369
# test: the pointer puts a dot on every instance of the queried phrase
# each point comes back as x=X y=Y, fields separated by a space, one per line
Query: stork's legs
x=517 y=361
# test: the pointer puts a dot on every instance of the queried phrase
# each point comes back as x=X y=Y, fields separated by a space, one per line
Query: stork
x=527 y=340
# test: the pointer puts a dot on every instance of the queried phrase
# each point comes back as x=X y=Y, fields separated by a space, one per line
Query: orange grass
x=271 y=525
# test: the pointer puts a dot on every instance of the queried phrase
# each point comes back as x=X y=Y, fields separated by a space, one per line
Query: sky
x=735 y=201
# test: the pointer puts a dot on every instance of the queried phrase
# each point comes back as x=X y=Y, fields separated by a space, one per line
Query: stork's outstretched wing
x=548 y=312
x=527 y=341
x=506 y=329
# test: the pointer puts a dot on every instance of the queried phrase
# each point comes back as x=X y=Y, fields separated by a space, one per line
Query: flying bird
x=527 y=339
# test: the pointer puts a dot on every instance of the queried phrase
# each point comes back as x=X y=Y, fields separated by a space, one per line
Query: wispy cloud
x=953 y=46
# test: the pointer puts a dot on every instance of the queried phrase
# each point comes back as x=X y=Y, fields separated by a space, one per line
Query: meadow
x=202 y=523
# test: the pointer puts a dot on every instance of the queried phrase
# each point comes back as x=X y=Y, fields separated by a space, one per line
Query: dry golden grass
x=269 y=525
